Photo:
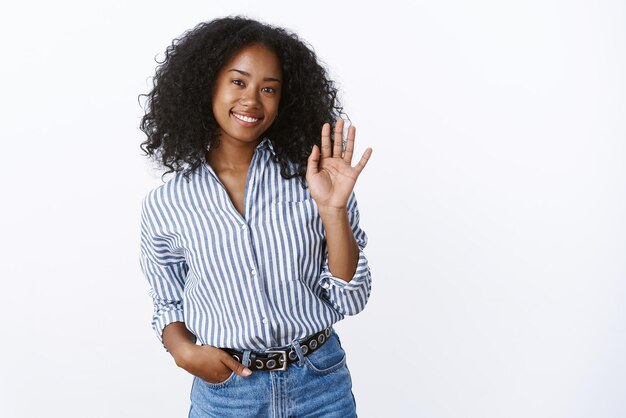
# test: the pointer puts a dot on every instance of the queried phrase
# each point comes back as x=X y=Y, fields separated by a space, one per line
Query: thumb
x=237 y=367
x=313 y=161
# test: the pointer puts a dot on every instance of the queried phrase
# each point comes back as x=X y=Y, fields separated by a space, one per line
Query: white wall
x=494 y=203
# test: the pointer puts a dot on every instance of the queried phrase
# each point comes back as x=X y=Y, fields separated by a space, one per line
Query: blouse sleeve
x=164 y=268
x=349 y=298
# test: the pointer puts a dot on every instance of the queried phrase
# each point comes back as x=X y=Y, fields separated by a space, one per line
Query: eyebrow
x=247 y=74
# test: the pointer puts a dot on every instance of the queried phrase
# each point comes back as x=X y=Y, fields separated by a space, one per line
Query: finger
x=217 y=377
x=363 y=161
x=237 y=367
x=326 y=140
x=350 y=145
x=313 y=161
x=338 y=146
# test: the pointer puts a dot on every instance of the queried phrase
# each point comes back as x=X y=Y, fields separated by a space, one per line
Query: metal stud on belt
x=287 y=356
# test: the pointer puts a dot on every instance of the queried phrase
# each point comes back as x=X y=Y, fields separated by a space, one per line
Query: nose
x=249 y=98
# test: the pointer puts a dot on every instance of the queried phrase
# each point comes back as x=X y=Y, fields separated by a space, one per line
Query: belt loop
x=246 y=358
x=296 y=347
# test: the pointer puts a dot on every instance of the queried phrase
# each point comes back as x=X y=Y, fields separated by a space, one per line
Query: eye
x=238 y=82
x=269 y=90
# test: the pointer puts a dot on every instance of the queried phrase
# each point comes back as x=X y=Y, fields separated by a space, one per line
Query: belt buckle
x=284 y=357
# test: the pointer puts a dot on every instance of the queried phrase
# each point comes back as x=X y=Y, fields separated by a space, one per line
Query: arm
x=177 y=340
x=163 y=268
x=166 y=272
x=345 y=273
x=342 y=249
x=331 y=179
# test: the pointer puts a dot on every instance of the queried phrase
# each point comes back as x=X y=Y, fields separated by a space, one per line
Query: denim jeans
x=316 y=385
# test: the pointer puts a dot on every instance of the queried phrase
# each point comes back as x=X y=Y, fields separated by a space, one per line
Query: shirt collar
x=266 y=144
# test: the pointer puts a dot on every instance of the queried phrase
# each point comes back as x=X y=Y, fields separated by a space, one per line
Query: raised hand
x=330 y=175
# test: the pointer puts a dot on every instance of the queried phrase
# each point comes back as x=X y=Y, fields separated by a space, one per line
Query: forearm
x=343 y=251
x=177 y=338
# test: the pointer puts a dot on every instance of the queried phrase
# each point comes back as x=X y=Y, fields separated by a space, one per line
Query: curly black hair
x=179 y=121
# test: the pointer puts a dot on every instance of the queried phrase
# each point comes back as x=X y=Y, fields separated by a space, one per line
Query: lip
x=243 y=122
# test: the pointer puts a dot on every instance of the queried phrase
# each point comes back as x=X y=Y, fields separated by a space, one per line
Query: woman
x=253 y=249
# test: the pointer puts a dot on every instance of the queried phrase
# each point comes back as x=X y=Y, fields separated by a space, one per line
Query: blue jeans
x=317 y=385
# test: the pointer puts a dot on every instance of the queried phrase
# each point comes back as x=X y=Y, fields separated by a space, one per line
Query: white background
x=494 y=203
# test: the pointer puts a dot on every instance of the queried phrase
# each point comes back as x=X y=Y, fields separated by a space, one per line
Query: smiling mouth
x=244 y=118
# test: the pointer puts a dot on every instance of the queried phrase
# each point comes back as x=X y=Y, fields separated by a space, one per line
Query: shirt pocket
x=298 y=238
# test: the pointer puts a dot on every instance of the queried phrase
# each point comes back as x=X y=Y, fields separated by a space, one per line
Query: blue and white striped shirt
x=252 y=282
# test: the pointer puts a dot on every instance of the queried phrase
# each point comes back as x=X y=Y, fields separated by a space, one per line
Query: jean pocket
x=216 y=385
x=328 y=358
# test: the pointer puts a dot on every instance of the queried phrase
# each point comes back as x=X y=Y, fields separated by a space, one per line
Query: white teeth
x=245 y=118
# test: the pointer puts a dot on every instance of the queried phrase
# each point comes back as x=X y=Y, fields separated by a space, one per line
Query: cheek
x=222 y=97
x=271 y=104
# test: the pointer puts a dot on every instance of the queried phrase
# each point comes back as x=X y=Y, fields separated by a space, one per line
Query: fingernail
x=246 y=372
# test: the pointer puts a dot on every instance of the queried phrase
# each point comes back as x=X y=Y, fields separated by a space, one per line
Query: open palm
x=330 y=176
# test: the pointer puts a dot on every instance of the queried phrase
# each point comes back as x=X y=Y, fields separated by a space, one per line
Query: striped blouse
x=254 y=282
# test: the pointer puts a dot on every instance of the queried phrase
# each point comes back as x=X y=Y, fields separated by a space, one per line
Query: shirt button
x=264 y=320
x=253 y=271
x=244 y=226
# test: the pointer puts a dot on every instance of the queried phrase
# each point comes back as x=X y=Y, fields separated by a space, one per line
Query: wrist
x=331 y=213
x=182 y=352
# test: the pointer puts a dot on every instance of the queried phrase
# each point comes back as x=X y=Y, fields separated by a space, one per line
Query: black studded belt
x=280 y=359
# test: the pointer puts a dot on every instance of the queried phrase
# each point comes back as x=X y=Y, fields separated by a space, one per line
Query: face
x=246 y=94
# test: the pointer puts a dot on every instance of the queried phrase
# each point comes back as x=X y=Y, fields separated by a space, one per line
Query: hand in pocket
x=211 y=364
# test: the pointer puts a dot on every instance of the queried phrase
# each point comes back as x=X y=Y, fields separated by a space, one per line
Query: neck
x=231 y=155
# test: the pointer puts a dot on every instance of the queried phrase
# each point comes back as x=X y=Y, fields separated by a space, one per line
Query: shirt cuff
x=359 y=280
x=163 y=319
